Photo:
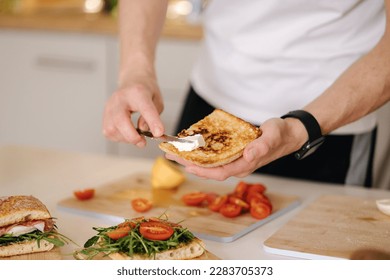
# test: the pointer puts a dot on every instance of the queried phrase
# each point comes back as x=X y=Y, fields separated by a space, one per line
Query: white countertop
x=52 y=175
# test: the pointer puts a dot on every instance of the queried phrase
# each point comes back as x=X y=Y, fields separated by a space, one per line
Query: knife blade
x=164 y=137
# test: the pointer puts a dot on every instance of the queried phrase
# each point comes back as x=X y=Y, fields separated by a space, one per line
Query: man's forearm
x=140 y=25
x=363 y=88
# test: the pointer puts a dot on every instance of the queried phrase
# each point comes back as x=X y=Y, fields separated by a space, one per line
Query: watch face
x=309 y=147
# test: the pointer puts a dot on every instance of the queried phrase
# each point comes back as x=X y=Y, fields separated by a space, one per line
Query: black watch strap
x=310 y=123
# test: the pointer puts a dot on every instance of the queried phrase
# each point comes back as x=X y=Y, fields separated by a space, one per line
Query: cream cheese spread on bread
x=21 y=229
x=197 y=141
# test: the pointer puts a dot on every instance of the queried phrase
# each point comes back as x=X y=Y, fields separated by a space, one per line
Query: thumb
x=254 y=150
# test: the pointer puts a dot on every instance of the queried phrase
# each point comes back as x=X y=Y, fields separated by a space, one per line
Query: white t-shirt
x=264 y=58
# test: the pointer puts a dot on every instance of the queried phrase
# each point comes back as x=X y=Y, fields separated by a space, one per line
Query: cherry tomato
x=218 y=202
x=259 y=210
x=210 y=197
x=230 y=210
x=154 y=219
x=155 y=230
x=141 y=205
x=194 y=198
x=257 y=187
x=266 y=202
x=241 y=189
x=119 y=232
x=130 y=224
x=239 y=202
x=84 y=194
x=257 y=195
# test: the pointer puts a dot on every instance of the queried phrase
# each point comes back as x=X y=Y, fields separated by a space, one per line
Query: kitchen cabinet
x=54 y=86
x=52 y=91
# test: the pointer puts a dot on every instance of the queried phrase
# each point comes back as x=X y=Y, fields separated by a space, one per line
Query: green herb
x=53 y=237
x=134 y=242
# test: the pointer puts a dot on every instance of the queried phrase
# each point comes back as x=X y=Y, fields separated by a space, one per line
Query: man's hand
x=280 y=137
x=142 y=95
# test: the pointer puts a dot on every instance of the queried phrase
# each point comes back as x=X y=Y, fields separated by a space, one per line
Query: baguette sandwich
x=225 y=137
x=26 y=226
x=143 y=239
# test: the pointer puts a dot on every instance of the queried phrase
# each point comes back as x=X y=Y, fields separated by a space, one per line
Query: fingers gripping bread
x=225 y=136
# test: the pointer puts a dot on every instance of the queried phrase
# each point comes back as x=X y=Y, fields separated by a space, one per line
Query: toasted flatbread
x=143 y=235
x=225 y=136
x=21 y=208
x=188 y=251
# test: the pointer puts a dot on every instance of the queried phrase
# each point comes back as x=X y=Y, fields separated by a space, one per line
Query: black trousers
x=330 y=163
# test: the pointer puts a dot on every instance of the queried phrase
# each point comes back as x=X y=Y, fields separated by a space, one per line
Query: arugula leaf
x=53 y=237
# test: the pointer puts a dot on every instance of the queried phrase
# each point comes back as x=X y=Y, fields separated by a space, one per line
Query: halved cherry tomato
x=154 y=219
x=130 y=224
x=257 y=195
x=230 y=210
x=218 y=202
x=119 y=232
x=84 y=194
x=262 y=200
x=241 y=189
x=194 y=198
x=257 y=187
x=141 y=204
x=259 y=210
x=210 y=197
x=239 y=202
x=155 y=230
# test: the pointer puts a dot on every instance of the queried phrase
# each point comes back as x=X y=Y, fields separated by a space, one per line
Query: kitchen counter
x=53 y=175
x=89 y=23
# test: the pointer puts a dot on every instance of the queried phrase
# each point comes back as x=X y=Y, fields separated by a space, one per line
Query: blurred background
x=59 y=63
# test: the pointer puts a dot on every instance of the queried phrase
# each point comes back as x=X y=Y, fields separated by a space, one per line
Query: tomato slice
x=171 y=224
x=257 y=195
x=230 y=210
x=194 y=198
x=218 y=202
x=84 y=194
x=130 y=224
x=239 y=202
x=241 y=189
x=155 y=230
x=257 y=187
x=119 y=232
x=259 y=210
x=141 y=204
x=210 y=197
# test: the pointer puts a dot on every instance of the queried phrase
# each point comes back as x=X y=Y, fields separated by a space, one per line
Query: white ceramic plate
x=384 y=206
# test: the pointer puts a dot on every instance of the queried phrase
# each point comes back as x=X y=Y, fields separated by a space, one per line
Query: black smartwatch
x=313 y=129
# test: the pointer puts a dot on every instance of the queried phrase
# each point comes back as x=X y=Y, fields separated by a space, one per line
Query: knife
x=164 y=137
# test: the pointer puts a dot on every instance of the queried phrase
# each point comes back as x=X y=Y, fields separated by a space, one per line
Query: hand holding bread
x=244 y=148
x=225 y=138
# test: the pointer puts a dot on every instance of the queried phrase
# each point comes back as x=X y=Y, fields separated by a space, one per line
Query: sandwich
x=26 y=226
x=225 y=137
x=143 y=239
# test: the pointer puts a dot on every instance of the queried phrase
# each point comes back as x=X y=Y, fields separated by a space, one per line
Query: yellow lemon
x=165 y=175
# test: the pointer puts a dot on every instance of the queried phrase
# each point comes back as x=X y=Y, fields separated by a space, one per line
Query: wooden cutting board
x=53 y=254
x=113 y=200
x=333 y=227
